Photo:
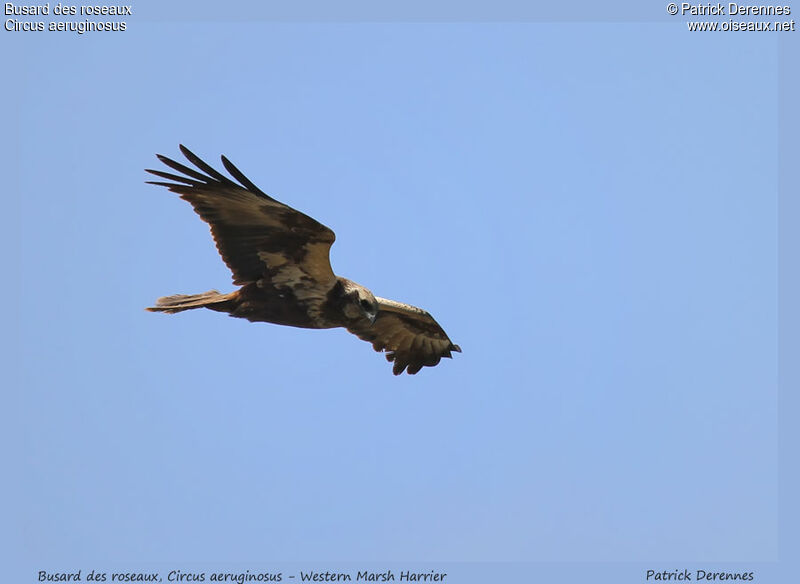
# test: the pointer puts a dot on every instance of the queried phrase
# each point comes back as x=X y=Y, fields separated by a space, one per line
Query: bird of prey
x=280 y=258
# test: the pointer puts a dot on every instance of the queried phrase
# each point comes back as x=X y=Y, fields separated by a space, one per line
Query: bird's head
x=360 y=303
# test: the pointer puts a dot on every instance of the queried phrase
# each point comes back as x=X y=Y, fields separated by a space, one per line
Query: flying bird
x=281 y=259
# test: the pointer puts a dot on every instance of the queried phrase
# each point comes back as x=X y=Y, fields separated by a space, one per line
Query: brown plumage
x=281 y=259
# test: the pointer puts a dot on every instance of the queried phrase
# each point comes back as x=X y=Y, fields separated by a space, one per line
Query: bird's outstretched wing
x=409 y=335
x=256 y=235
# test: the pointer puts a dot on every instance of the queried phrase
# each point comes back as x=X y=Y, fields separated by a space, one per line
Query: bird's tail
x=180 y=302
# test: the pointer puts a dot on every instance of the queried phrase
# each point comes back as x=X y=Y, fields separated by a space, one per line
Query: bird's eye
x=365 y=304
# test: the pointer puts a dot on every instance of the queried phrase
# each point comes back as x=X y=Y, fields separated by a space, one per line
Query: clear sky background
x=589 y=209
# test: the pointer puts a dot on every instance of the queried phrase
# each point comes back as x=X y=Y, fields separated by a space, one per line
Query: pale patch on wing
x=273 y=260
x=400 y=307
x=315 y=267
x=307 y=281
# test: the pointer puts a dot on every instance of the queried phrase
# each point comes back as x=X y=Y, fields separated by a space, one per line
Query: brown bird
x=281 y=259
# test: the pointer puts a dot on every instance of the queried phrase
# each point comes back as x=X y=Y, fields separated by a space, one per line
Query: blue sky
x=589 y=209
